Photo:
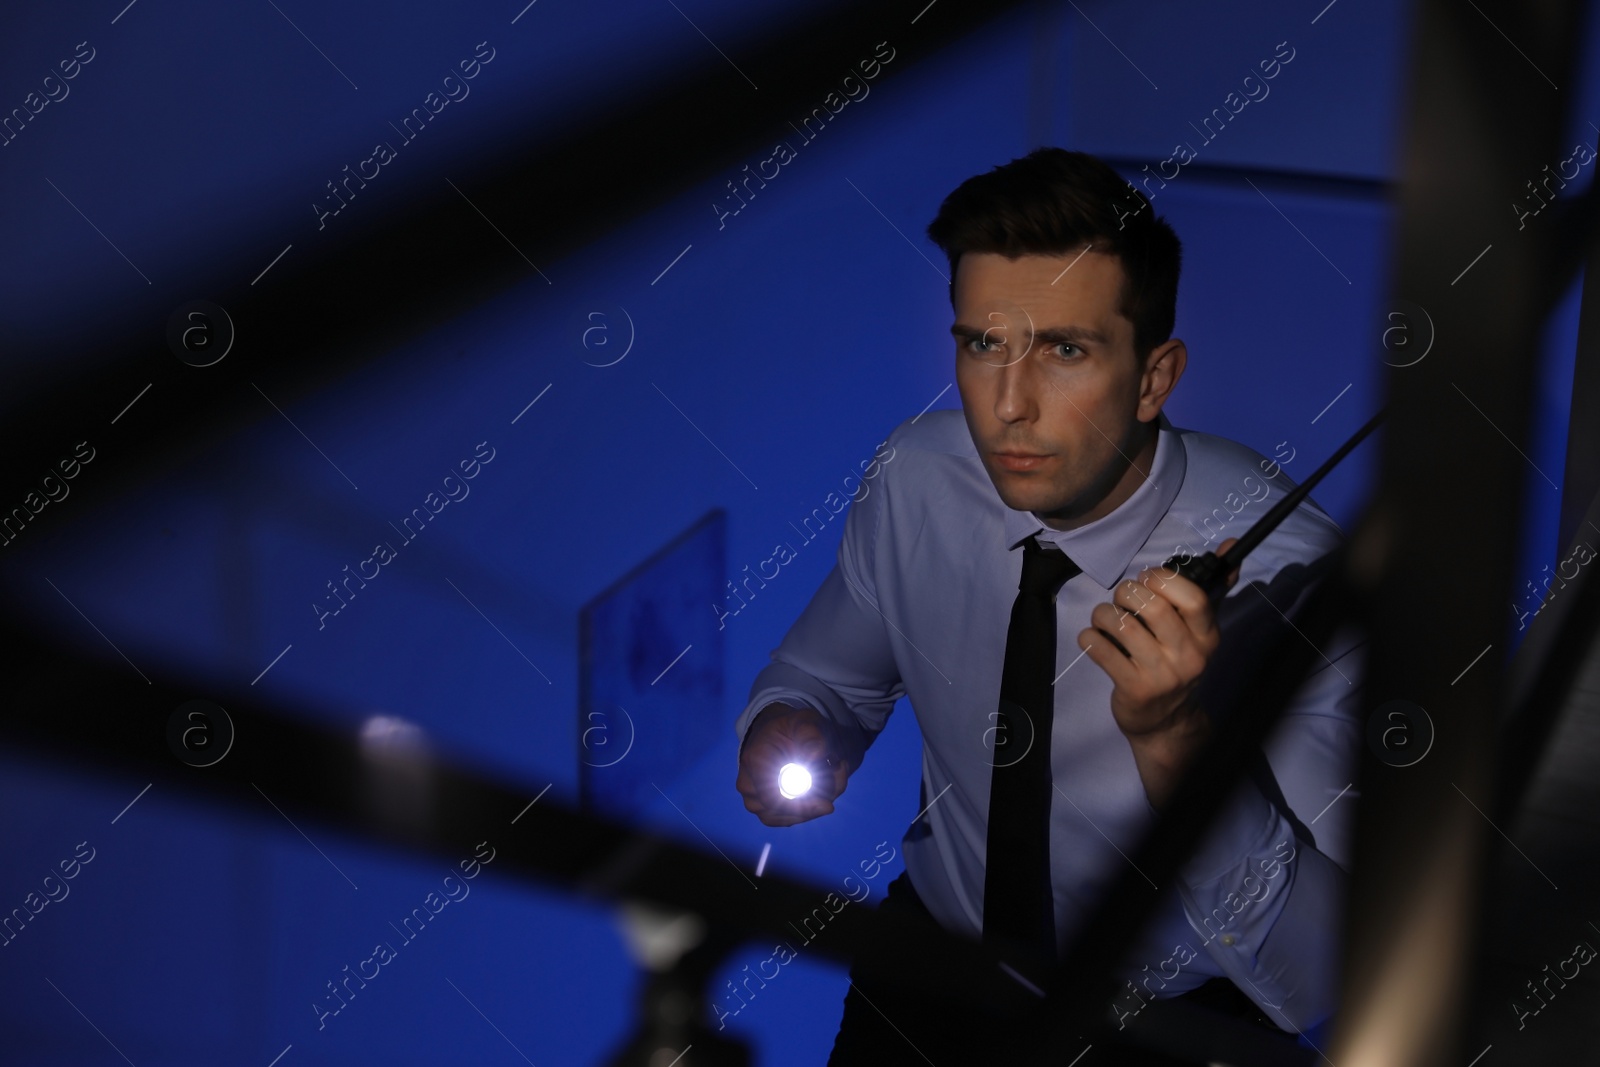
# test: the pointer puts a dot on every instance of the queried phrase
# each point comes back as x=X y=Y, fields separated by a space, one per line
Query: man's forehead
x=1086 y=273
x=1073 y=292
x=1034 y=262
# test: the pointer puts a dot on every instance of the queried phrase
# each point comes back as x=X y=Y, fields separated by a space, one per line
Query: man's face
x=1045 y=365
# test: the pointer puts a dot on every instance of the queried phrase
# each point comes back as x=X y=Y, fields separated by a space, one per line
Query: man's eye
x=1076 y=351
x=981 y=341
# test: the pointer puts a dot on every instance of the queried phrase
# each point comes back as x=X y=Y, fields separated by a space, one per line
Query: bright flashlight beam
x=794 y=780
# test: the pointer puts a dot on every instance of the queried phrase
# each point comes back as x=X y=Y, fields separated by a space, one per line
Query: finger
x=1133 y=598
x=824 y=787
x=805 y=736
x=827 y=782
x=784 y=812
x=1119 y=625
x=1182 y=593
x=1142 y=645
x=1108 y=655
x=837 y=779
x=1179 y=601
x=747 y=779
x=1101 y=634
x=1168 y=632
x=805 y=809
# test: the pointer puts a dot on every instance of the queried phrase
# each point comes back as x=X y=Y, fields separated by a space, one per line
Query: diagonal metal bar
x=102 y=718
x=349 y=296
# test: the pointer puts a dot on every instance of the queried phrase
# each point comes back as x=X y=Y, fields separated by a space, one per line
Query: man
x=1064 y=305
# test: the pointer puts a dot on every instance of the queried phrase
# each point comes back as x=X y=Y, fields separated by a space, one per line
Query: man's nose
x=1016 y=395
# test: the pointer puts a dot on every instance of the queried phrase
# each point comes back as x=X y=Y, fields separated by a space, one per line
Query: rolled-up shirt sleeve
x=837 y=657
x=1265 y=890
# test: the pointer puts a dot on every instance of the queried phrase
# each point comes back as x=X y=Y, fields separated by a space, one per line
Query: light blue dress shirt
x=918 y=605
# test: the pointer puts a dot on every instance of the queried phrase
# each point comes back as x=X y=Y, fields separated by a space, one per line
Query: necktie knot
x=1045 y=571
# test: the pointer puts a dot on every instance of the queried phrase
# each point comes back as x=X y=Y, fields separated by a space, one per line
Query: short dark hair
x=1052 y=200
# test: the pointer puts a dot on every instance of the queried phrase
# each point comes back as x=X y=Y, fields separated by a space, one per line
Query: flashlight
x=794 y=779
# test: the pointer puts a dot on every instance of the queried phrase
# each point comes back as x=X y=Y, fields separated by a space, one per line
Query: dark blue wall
x=783 y=345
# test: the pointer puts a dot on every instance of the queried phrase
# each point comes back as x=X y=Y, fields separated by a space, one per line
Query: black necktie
x=1018 y=912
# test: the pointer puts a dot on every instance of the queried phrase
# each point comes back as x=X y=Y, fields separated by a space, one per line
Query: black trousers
x=885 y=1026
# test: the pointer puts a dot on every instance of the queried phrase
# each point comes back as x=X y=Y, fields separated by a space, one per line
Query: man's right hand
x=784 y=734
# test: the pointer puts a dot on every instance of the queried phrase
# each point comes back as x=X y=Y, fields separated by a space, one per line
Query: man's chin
x=1021 y=493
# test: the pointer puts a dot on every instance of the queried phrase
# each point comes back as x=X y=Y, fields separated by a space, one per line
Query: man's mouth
x=1020 y=461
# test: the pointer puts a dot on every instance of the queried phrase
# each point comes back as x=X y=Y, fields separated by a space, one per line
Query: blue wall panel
x=767 y=353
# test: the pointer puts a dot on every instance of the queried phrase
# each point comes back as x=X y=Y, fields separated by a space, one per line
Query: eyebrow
x=1050 y=335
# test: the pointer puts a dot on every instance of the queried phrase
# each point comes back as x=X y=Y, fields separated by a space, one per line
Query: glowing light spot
x=794 y=780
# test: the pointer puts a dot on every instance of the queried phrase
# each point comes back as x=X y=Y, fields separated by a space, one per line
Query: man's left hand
x=1169 y=628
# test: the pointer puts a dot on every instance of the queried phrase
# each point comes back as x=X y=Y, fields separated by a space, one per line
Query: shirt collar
x=1104 y=548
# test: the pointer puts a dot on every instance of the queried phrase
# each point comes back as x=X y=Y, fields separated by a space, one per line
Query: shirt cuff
x=783 y=683
x=1248 y=826
x=1266 y=905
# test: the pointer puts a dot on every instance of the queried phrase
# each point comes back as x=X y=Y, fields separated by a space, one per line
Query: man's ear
x=1162 y=369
